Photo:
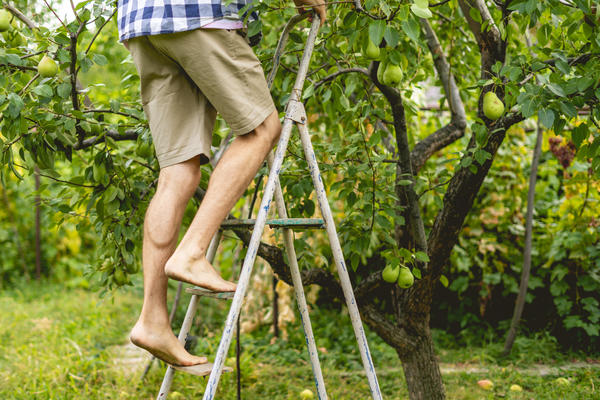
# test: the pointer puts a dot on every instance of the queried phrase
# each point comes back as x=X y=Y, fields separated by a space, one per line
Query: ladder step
x=200 y=369
x=306 y=223
x=199 y=291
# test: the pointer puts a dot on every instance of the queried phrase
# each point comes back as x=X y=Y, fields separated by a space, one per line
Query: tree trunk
x=421 y=370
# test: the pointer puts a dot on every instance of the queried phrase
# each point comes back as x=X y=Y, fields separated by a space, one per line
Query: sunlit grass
x=58 y=343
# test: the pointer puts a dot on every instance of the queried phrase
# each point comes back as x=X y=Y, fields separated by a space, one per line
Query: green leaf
x=100 y=59
x=556 y=89
x=579 y=134
x=254 y=27
x=481 y=156
x=420 y=12
x=15 y=105
x=392 y=36
x=444 y=280
x=474 y=14
x=115 y=105
x=64 y=90
x=546 y=117
x=43 y=90
x=376 y=31
x=422 y=256
x=411 y=28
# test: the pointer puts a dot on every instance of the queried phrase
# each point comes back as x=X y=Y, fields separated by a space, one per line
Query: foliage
x=486 y=264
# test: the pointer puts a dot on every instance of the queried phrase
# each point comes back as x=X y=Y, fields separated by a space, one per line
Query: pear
x=390 y=274
x=405 y=278
x=485 y=384
x=372 y=51
x=392 y=75
x=493 y=108
x=47 y=67
x=120 y=277
x=516 y=388
x=5 y=17
x=307 y=394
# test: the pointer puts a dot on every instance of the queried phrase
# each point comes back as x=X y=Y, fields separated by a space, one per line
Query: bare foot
x=197 y=272
x=163 y=344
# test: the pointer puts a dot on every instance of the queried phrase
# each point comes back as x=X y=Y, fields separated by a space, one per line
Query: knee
x=180 y=180
x=270 y=129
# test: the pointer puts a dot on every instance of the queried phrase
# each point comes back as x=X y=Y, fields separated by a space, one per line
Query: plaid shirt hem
x=154 y=17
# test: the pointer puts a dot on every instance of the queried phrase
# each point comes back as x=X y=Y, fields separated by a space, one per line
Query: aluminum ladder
x=294 y=114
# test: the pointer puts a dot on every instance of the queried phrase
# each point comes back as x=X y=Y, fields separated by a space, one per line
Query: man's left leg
x=229 y=180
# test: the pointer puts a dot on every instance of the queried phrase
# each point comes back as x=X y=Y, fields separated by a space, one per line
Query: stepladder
x=295 y=115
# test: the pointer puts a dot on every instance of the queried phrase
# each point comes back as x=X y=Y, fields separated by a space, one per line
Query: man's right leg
x=176 y=185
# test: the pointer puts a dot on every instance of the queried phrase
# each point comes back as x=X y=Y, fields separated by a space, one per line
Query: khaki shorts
x=186 y=78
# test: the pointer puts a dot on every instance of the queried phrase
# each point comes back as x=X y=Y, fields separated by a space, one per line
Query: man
x=192 y=64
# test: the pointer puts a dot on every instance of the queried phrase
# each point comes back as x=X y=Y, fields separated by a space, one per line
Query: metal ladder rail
x=244 y=278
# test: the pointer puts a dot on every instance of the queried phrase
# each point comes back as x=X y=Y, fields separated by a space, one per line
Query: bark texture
x=422 y=371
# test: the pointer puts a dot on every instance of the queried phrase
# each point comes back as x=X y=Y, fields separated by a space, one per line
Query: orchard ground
x=58 y=343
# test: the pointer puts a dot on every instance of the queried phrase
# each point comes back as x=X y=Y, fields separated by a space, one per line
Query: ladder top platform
x=306 y=223
x=200 y=369
x=199 y=291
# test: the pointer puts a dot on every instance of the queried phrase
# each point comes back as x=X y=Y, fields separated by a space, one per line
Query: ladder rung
x=198 y=291
x=200 y=369
x=317 y=223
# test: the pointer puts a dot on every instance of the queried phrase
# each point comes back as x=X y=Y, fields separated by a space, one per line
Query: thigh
x=181 y=118
x=227 y=72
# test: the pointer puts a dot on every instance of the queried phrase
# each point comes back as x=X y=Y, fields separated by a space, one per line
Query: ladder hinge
x=295 y=111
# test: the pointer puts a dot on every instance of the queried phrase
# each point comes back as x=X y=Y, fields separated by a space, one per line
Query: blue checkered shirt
x=153 y=17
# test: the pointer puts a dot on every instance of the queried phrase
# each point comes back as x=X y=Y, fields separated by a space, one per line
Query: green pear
x=493 y=108
x=392 y=75
x=372 y=51
x=405 y=278
x=390 y=274
x=47 y=67
x=5 y=17
x=307 y=394
x=120 y=277
x=516 y=388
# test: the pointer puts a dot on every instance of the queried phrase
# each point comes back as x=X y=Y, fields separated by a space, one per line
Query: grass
x=58 y=343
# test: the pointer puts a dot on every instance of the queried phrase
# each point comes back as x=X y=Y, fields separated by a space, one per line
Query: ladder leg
x=299 y=291
x=261 y=218
x=165 y=387
x=340 y=263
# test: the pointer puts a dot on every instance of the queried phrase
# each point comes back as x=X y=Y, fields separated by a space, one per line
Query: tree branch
x=456 y=128
x=433 y=143
x=128 y=135
x=340 y=72
x=30 y=24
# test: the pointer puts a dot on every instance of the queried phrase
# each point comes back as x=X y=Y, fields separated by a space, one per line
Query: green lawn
x=59 y=343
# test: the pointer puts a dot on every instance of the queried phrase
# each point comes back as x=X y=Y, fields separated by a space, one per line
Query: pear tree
x=404 y=153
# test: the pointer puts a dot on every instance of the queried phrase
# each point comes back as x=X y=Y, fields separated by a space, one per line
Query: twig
x=56 y=15
x=28 y=84
x=98 y=32
x=110 y=112
x=75 y=12
x=340 y=72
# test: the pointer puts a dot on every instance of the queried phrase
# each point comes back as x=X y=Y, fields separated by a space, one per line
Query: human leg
x=229 y=180
x=176 y=185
